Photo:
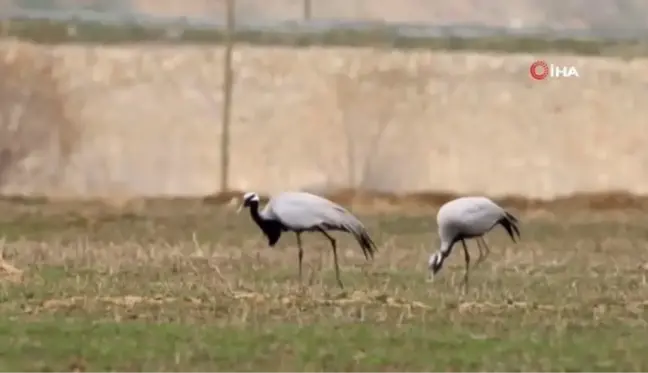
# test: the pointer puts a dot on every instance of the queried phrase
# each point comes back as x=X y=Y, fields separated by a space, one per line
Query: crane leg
x=467 y=258
x=335 y=257
x=481 y=252
x=300 y=254
x=484 y=250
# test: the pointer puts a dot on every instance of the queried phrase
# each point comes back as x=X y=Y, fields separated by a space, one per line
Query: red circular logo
x=539 y=70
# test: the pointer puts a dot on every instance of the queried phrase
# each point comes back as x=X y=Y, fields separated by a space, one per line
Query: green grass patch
x=55 y=32
x=184 y=286
x=62 y=344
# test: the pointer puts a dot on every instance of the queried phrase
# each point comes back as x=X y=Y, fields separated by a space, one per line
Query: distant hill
x=510 y=13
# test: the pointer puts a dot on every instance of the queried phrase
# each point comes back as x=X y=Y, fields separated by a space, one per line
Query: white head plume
x=248 y=198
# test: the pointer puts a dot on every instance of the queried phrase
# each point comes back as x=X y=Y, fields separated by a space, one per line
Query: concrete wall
x=145 y=120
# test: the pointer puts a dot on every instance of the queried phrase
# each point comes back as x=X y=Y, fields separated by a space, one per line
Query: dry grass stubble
x=199 y=288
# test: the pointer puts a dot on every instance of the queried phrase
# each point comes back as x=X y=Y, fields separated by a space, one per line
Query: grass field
x=188 y=286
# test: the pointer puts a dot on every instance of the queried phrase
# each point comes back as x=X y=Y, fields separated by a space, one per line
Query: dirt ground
x=190 y=285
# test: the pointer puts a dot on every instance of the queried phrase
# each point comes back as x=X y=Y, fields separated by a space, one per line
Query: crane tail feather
x=511 y=217
x=510 y=223
x=367 y=245
x=364 y=240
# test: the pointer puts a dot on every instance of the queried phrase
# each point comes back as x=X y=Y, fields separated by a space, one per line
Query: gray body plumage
x=469 y=217
x=304 y=212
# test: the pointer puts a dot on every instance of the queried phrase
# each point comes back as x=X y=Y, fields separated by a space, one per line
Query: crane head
x=248 y=199
x=434 y=264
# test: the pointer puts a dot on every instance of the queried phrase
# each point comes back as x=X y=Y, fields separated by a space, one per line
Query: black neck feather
x=271 y=229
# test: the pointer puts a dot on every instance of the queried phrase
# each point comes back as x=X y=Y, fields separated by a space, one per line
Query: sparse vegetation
x=53 y=32
x=186 y=286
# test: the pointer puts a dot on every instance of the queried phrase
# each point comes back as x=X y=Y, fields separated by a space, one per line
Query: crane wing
x=298 y=210
x=482 y=218
x=472 y=215
x=302 y=211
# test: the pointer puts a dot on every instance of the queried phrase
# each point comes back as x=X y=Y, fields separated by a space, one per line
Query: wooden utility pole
x=308 y=10
x=227 y=95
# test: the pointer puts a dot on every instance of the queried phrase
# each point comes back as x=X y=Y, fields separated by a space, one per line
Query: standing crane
x=464 y=218
x=304 y=212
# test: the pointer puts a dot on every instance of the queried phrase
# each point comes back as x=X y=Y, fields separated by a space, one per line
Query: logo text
x=540 y=70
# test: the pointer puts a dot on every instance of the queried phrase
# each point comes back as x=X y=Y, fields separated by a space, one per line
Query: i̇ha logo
x=540 y=70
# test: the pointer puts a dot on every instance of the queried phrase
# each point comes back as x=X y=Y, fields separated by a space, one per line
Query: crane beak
x=238 y=210
x=430 y=277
